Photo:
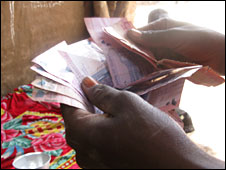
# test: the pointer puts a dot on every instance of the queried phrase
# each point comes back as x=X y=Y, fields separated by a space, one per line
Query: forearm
x=179 y=152
x=189 y=155
x=199 y=159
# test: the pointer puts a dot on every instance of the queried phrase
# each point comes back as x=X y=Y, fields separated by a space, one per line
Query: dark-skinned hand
x=130 y=134
x=181 y=41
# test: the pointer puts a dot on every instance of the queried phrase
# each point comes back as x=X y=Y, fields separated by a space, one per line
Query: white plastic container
x=33 y=160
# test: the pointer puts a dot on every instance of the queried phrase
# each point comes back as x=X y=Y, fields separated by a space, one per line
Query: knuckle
x=164 y=23
x=104 y=97
x=164 y=20
x=124 y=97
x=98 y=90
x=146 y=36
x=160 y=23
x=102 y=93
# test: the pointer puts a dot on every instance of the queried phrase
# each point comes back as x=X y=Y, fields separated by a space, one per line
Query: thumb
x=102 y=96
x=153 y=38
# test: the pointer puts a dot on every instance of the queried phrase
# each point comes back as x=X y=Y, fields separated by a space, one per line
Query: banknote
x=119 y=30
x=50 y=85
x=39 y=70
x=48 y=96
x=86 y=48
x=95 y=27
x=204 y=76
x=125 y=66
x=89 y=62
x=52 y=62
x=166 y=97
x=162 y=78
x=83 y=66
x=86 y=59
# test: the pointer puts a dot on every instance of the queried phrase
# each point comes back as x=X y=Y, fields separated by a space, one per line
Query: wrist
x=175 y=150
x=189 y=155
x=199 y=159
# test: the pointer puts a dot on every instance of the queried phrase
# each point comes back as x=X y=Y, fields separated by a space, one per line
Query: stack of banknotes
x=112 y=59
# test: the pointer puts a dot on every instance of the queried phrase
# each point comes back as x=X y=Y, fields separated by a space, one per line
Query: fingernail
x=89 y=82
x=135 y=33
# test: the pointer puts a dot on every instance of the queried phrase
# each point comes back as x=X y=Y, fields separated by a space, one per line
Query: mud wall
x=28 y=28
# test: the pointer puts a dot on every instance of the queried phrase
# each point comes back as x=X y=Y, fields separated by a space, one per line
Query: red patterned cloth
x=30 y=126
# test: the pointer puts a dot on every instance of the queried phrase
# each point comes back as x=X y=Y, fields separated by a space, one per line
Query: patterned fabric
x=30 y=126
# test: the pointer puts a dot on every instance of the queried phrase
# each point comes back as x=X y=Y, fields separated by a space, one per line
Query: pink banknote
x=118 y=32
x=162 y=78
x=48 y=96
x=125 y=66
x=80 y=97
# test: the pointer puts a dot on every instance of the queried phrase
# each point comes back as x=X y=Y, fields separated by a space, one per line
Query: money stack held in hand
x=112 y=59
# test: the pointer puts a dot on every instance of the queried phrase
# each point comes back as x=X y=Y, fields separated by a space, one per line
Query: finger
x=160 y=38
x=80 y=120
x=163 y=24
x=166 y=53
x=82 y=117
x=102 y=96
x=157 y=14
x=81 y=126
x=73 y=117
x=70 y=113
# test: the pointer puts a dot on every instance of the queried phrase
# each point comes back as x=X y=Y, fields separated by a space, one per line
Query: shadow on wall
x=28 y=28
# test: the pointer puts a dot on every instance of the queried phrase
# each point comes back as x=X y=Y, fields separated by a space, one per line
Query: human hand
x=181 y=41
x=130 y=134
